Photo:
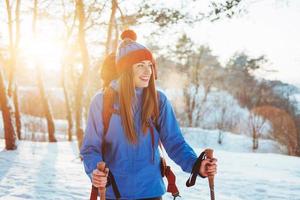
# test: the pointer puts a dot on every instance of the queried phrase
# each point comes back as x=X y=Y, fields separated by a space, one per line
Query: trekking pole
x=102 y=190
x=209 y=154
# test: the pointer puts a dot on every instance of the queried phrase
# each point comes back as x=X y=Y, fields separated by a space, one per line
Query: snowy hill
x=39 y=170
x=202 y=138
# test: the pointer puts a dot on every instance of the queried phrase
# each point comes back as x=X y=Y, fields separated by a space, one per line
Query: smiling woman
x=142 y=72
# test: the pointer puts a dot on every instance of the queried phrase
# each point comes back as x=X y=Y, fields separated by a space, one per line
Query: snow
x=220 y=110
x=35 y=128
x=201 y=138
x=40 y=170
x=297 y=98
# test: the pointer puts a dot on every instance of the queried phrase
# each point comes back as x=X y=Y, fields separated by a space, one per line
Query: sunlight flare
x=47 y=53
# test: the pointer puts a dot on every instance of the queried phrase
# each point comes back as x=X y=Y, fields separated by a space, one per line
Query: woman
x=131 y=148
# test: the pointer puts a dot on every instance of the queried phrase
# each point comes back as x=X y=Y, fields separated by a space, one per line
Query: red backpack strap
x=109 y=97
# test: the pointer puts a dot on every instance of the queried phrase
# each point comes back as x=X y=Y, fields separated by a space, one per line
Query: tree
x=198 y=67
x=9 y=131
x=226 y=9
x=284 y=128
x=298 y=134
x=256 y=124
x=6 y=98
x=46 y=107
x=112 y=20
x=220 y=125
x=14 y=58
x=241 y=81
x=83 y=76
x=67 y=62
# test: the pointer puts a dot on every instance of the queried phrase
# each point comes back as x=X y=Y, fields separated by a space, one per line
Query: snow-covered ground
x=35 y=128
x=39 y=170
x=203 y=138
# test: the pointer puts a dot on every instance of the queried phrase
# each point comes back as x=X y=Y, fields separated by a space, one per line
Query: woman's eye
x=140 y=66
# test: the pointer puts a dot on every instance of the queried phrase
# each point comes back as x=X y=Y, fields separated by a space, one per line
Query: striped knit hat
x=130 y=52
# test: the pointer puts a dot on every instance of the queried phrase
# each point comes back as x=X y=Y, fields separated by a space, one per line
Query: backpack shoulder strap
x=109 y=97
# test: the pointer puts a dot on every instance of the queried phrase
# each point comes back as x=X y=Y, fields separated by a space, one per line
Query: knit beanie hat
x=130 y=52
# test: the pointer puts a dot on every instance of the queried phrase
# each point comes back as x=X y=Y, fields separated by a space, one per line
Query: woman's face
x=142 y=72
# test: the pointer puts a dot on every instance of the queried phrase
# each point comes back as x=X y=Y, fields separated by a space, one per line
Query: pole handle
x=209 y=154
x=102 y=190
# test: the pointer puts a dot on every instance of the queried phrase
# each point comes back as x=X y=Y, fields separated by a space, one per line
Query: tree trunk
x=82 y=79
x=11 y=67
x=15 y=91
x=188 y=111
x=110 y=26
x=254 y=139
x=12 y=61
x=67 y=103
x=17 y=113
x=46 y=108
x=115 y=44
x=298 y=134
x=64 y=70
x=220 y=138
x=9 y=131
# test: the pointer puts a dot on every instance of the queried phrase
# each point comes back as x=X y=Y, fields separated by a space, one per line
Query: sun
x=45 y=52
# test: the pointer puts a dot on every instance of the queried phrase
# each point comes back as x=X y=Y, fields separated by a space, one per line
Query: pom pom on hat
x=129 y=34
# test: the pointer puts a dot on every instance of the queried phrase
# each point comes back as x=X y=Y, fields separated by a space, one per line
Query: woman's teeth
x=144 y=79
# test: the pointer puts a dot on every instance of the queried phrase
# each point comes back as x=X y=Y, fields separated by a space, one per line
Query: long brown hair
x=126 y=98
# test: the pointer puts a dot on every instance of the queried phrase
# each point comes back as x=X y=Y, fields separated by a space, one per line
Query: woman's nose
x=148 y=70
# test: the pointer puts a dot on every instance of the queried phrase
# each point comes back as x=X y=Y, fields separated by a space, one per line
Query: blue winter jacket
x=136 y=175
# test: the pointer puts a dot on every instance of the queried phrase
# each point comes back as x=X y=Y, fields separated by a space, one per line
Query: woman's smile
x=145 y=78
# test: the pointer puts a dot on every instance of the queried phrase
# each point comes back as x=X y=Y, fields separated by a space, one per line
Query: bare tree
x=9 y=131
x=44 y=100
x=65 y=62
x=110 y=26
x=297 y=121
x=221 y=124
x=83 y=76
x=198 y=68
x=15 y=91
x=284 y=127
x=6 y=98
x=256 y=123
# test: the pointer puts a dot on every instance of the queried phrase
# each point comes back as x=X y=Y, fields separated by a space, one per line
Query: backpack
x=109 y=98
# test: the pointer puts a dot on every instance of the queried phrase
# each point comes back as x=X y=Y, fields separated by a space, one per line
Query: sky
x=270 y=28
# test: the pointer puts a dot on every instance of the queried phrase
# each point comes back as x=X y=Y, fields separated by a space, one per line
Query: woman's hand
x=208 y=167
x=99 y=178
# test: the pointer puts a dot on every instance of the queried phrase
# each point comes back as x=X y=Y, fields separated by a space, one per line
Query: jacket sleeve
x=91 y=150
x=171 y=137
